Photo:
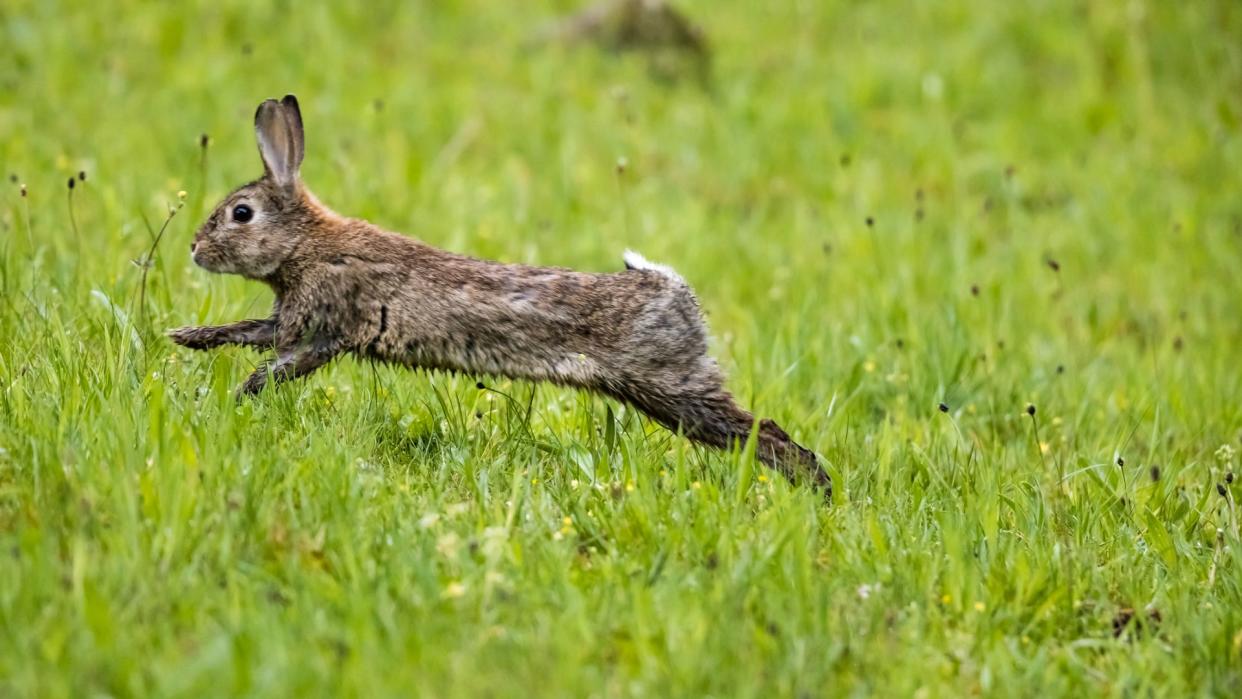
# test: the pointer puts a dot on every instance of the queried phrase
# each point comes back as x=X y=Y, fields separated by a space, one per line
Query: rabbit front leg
x=260 y=334
x=293 y=363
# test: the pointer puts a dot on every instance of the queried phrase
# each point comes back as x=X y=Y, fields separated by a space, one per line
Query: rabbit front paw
x=253 y=385
x=198 y=338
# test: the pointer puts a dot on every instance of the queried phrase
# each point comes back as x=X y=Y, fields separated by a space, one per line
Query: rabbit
x=344 y=285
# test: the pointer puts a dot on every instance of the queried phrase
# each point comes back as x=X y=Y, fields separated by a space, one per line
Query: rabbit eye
x=242 y=213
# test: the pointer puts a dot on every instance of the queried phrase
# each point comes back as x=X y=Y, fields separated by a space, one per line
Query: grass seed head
x=72 y=182
x=944 y=408
x=1030 y=409
x=1155 y=473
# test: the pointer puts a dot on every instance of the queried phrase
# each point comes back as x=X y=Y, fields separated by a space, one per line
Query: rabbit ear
x=280 y=139
x=293 y=114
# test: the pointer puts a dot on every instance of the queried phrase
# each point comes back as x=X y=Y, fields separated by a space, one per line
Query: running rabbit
x=343 y=285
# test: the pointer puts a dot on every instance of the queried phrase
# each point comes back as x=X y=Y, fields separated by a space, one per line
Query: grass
x=1053 y=197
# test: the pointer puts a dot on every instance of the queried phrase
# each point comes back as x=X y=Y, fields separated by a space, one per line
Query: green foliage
x=1054 y=195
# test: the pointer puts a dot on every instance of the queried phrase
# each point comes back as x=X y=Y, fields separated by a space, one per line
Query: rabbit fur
x=345 y=286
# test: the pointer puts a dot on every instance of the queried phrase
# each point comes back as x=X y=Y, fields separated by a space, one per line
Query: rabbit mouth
x=203 y=258
x=197 y=258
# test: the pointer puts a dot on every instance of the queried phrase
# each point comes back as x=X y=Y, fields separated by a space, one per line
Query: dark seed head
x=1229 y=478
x=1121 y=461
x=870 y=221
x=918 y=214
x=82 y=175
x=845 y=160
x=974 y=289
x=203 y=140
x=1060 y=368
x=944 y=408
x=1054 y=265
x=1122 y=620
x=1155 y=473
x=1177 y=343
x=13 y=177
x=478 y=414
x=1030 y=410
x=1220 y=488
x=480 y=386
x=23 y=190
x=72 y=182
x=900 y=343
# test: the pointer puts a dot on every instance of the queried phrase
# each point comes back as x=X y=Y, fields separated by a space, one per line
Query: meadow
x=982 y=257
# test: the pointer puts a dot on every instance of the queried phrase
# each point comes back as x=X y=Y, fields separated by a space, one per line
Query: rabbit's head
x=255 y=229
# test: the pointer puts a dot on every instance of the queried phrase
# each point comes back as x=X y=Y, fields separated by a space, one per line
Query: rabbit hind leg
x=711 y=417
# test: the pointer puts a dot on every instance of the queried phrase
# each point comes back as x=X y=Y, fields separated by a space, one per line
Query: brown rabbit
x=343 y=285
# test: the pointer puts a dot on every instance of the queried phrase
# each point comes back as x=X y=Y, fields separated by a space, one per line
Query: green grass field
x=883 y=207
